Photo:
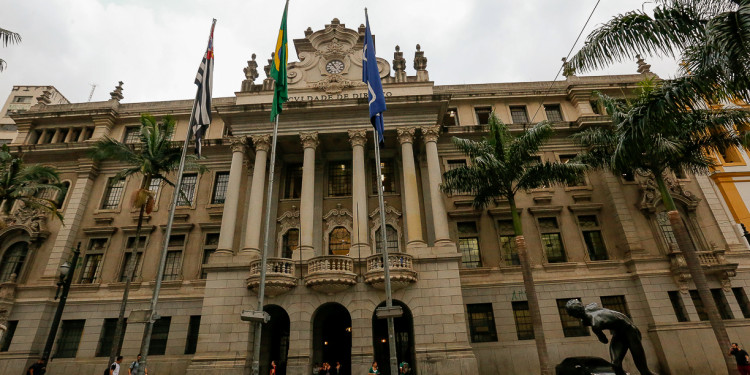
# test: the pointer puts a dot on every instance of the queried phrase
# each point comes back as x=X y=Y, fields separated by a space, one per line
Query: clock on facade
x=335 y=66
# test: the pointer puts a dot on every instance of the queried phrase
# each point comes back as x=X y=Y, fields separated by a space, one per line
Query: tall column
x=41 y=138
x=411 y=193
x=232 y=197
x=307 y=197
x=430 y=135
x=262 y=144
x=360 y=245
x=82 y=134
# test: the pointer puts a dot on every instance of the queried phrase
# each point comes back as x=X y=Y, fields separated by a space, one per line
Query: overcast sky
x=155 y=46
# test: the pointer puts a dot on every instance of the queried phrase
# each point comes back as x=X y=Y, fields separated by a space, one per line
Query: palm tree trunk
x=531 y=296
x=128 y=277
x=687 y=247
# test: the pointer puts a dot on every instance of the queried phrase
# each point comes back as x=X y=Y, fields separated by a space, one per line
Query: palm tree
x=155 y=157
x=503 y=164
x=645 y=138
x=27 y=184
x=709 y=36
x=7 y=36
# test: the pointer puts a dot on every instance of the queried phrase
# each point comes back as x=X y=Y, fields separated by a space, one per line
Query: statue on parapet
x=625 y=335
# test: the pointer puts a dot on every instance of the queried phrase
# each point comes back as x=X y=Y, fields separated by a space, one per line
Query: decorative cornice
x=406 y=134
x=430 y=133
x=358 y=137
x=262 y=142
x=309 y=139
x=238 y=144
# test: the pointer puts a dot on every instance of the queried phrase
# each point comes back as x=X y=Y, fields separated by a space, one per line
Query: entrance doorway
x=274 y=340
x=332 y=336
x=404 y=330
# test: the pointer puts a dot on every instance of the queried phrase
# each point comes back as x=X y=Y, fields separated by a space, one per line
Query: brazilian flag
x=278 y=69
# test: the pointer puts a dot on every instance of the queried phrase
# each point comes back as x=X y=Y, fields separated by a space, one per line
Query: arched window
x=667 y=232
x=13 y=260
x=391 y=238
x=290 y=242
x=339 y=241
x=62 y=194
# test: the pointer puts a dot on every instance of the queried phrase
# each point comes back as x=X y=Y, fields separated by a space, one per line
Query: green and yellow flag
x=278 y=69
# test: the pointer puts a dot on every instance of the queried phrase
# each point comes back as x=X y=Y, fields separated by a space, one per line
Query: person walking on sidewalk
x=742 y=358
x=133 y=369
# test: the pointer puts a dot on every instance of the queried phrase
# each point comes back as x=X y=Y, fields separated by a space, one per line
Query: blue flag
x=371 y=76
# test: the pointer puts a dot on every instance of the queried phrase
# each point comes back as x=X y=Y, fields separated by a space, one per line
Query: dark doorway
x=274 y=340
x=404 y=330
x=332 y=336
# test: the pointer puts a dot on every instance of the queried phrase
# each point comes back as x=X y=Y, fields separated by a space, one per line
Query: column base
x=360 y=250
x=250 y=252
x=307 y=253
x=444 y=246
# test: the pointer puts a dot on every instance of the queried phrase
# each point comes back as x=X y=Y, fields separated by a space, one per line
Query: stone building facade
x=454 y=268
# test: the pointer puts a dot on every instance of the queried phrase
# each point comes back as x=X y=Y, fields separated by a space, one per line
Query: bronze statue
x=625 y=335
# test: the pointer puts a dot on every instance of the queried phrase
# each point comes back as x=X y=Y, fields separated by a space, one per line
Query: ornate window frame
x=392 y=218
x=337 y=217
x=288 y=220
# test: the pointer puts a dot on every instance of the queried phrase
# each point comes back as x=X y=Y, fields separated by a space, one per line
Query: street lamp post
x=66 y=278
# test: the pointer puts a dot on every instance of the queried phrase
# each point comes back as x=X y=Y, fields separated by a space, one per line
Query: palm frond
x=526 y=145
x=548 y=173
x=7 y=36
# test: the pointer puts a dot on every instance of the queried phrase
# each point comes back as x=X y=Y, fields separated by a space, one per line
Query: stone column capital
x=262 y=142
x=358 y=137
x=430 y=133
x=406 y=134
x=238 y=144
x=309 y=139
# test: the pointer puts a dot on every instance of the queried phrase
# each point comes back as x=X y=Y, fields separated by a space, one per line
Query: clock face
x=335 y=67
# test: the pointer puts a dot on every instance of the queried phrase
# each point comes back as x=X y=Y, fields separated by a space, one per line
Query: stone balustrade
x=280 y=276
x=401 y=267
x=330 y=273
x=713 y=262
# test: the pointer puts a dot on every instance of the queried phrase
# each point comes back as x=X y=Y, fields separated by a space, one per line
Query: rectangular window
x=290 y=243
x=107 y=337
x=209 y=247
x=518 y=114
x=468 y=244
x=91 y=267
x=483 y=115
x=8 y=336
x=453 y=164
x=482 y=322
x=388 y=177
x=592 y=236
x=616 y=303
x=220 y=188
x=132 y=135
x=340 y=179
x=721 y=303
x=173 y=264
x=155 y=185
x=567 y=159
x=70 y=337
x=451 y=117
x=552 y=240
x=293 y=181
x=159 y=336
x=522 y=316
x=22 y=99
x=508 y=242
x=554 y=113
x=189 y=184
x=113 y=193
x=699 y=308
x=679 y=307
x=572 y=327
x=192 y=334
x=739 y=294
x=130 y=243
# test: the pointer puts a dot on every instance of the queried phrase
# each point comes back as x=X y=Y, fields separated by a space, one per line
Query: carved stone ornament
x=406 y=134
x=238 y=144
x=358 y=137
x=651 y=197
x=335 y=84
x=33 y=221
x=430 y=133
x=117 y=93
x=288 y=220
x=45 y=98
x=420 y=62
x=568 y=70
x=643 y=68
x=392 y=218
x=399 y=62
x=337 y=217
x=262 y=142
x=251 y=71
x=336 y=48
x=309 y=139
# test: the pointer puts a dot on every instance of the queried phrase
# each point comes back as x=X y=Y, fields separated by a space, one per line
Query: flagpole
x=386 y=263
x=264 y=254
x=146 y=342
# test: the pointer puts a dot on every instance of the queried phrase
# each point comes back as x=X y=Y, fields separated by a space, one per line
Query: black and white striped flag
x=202 y=107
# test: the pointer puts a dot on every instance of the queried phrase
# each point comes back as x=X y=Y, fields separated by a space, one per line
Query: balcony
x=401 y=267
x=330 y=274
x=713 y=262
x=280 y=276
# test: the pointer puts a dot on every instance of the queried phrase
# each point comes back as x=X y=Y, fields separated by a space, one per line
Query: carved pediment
x=651 y=197
x=32 y=220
